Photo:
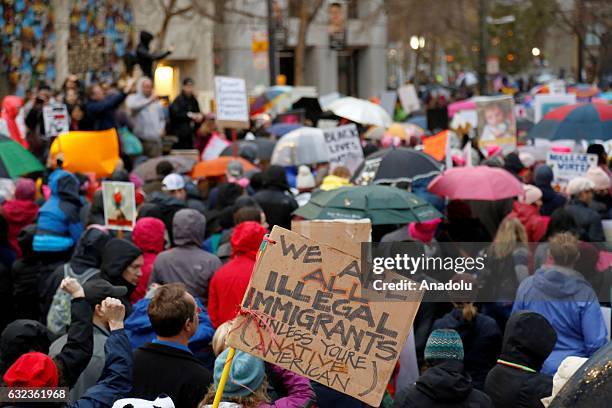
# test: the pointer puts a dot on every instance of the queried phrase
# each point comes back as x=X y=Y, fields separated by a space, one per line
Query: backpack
x=58 y=318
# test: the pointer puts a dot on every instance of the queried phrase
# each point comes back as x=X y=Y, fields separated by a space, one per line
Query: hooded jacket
x=26 y=273
x=443 y=385
x=551 y=200
x=566 y=299
x=10 y=109
x=148 y=235
x=275 y=200
x=147 y=114
x=589 y=222
x=229 y=283
x=528 y=341
x=20 y=337
x=59 y=225
x=144 y=57
x=18 y=214
x=534 y=223
x=187 y=262
x=118 y=255
x=481 y=339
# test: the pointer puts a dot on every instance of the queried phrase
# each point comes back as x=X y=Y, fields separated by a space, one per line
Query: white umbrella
x=305 y=145
x=360 y=111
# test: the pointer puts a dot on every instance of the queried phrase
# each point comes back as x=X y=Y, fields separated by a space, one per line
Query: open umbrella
x=15 y=160
x=419 y=120
x=466 y=104
x=261 y=146
x=395 y=165
x=476 y=183
x=381 y=204
x=360 y=111
x=216 y=167
x=264 y=101
x=281 y=129
x=181 y=165
x=588 y=121
x=305 y=145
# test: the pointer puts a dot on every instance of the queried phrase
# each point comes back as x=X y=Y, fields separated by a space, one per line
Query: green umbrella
x=16 y=161
x=381 y=204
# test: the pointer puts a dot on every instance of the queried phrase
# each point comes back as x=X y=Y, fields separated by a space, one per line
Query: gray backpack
x=58 y=318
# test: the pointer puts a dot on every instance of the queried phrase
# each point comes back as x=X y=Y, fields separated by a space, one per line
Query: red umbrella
x=476 y=183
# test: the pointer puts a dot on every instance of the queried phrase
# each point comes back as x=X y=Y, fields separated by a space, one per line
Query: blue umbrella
x=420 y=121
x=588 y=121
x=281 y=129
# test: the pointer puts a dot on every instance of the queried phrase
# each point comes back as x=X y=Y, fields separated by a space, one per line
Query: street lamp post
x=417 y=43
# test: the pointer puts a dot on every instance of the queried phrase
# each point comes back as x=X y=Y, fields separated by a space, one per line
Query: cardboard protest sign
x=496 y=122
x=545 y=103
x=344 y=146
x=408 y=98
x=302 y=311
x=56 y=119
x=119 y=205
x=566 y=166
x=345 y=235
x=231 y=102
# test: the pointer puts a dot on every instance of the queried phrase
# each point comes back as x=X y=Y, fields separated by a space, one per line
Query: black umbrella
x=395 y=165
x=261 y=147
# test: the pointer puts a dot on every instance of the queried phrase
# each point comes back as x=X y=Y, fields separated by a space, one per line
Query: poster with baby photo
x=496 y=122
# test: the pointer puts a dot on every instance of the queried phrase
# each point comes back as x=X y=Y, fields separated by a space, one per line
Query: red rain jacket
x=148 y=235
x=18 y=214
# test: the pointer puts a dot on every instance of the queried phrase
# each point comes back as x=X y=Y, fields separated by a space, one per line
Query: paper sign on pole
x=56 y=119
x=496 y=122
x=388 y=100
x=302 y=311
x=119 y=205
x=566 y=166
x=344 y=235
x=232 y=108
x=344 y=146
x=545 y=103
x=409 y=98
x=214 y=147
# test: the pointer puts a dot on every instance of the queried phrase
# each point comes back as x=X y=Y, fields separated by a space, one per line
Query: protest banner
x=119 y=204
x=56 y=119
x=496 y=122
x=214 y=147
x=302 y=311
x=408 y=98
x=545 y=103
x=566 y=166
x=344 y=235
x=344 y=146
x=77 y=154
x=231 y=102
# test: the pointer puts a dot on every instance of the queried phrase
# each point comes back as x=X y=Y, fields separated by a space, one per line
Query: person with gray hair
x=580 y=190
x=148 y=115
x=187 y=262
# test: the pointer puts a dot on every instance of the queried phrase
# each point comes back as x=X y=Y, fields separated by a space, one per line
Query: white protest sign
x=344 y=146
x=566 y=166
x=214 y=148
x=409 y=98
x=119 y=202
x=232 y=108
x=56 y=119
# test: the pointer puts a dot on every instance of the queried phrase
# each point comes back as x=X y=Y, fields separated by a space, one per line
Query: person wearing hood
x=514 y=165
x=274 y=198
x=338 y=178
x=96 y=291
x=11 y=106
x=144 y=57
x=22 y=336
x=229 y=284
x=187 y=262
x=566 y=299
x=121 y=264
x=149 y=236
x=590 y=229
x=526 y=210
x=444 y=383
x=84 y=264
x=516 y=380
x=20 y=211
x=59 y=223
x=304 y=183
x=148 y=116
x=481 y=337
x=551 y=200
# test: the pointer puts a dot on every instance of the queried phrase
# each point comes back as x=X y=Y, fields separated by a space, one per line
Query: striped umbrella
x=588 y=121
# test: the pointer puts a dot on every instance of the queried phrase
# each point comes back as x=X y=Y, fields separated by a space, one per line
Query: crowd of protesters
x=144 y=316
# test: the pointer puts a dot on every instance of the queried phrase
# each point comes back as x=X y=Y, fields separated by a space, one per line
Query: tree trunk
x=300 y=48
x=161 y=35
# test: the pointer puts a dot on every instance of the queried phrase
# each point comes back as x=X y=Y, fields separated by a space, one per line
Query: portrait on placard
x=496 y=122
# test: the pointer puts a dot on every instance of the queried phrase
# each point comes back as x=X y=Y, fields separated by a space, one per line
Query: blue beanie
x=246 y=375
x=443 y=344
